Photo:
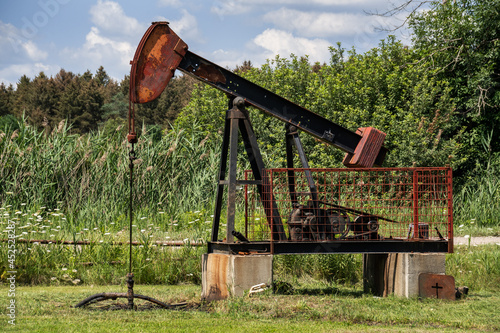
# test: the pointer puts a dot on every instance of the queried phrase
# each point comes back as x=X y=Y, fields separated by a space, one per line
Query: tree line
x=86 y=101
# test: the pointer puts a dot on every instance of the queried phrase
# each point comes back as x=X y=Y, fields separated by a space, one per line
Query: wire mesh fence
x=351 y=204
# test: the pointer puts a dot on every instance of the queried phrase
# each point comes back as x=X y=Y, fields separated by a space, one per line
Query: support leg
x=231 y=190
x=321 y=227
x=289 y=165
x=221 y=178
x=265 y=189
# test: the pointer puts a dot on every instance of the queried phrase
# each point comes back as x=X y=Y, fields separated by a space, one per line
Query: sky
x=81 y=35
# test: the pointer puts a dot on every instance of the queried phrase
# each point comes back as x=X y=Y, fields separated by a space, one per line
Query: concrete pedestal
x=225 y=275
x=398 y=273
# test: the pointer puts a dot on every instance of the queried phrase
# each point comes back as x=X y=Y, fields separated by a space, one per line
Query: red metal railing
x=353 y=204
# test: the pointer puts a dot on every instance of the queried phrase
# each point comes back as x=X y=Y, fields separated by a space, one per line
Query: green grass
x=475 y=231
x=49 y=309
x=104 y=263
x=477 y=267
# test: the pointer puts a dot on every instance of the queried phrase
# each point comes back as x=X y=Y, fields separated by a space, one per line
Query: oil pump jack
x=161 y=52
x=311 y=228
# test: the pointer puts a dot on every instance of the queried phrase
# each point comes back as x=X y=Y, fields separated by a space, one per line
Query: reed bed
x=87 y=176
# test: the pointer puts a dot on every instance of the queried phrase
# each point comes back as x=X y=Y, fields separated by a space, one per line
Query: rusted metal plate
x=156 y=58
x=436 y=286
x=367 y=149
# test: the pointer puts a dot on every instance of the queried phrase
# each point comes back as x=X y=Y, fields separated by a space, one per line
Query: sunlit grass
x=330 y=309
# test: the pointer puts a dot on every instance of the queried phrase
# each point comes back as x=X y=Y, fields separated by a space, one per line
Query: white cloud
x=29 y=69
x=186 y=27
x=110 y=18
x=320 y=24
x=104 y=46
x=33 y=52
x=278 y=42
x=113 y=54
x=268 y=45
x=238 y=7
x=111 y=43
x=17 y=48
x=19 y=56
x=231 y=59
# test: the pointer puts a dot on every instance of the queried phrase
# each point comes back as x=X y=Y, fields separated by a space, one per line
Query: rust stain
x=210 y=73
x=158 y=55
x=217 y=266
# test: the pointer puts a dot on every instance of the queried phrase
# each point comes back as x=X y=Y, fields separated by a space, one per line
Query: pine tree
x=6 y=99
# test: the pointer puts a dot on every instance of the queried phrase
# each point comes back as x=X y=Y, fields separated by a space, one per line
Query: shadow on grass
x=285 y=288
x=113 y=305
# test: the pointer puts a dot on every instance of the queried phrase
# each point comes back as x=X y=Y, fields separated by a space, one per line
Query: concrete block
x=398 y=273
x=225 y=275
x=410 y=267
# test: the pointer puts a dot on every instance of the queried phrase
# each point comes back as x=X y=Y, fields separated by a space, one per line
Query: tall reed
x=477 y=201
x=87 y=176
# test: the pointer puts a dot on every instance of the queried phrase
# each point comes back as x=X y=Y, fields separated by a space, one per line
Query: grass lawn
x=321 y=309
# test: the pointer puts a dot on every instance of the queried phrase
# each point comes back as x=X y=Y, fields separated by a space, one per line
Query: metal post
x=231 y=188
x=449 y=183
x=305 y=165
x=220 y=184
x=130 y=290
x=258 y=170
x=415 y=205
x=289 y=165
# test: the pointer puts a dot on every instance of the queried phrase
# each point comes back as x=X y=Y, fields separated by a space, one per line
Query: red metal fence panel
x=412 y=204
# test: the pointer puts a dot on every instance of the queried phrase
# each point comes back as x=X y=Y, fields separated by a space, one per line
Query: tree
x=40 y=101
x=460 y=41
x=246 y=66
x=117 y=108
x=106 y=84
x=21 y=102
x=68 y=85
x=90 y=101
x=6 y=99
x=382 y=88
x=175 y=97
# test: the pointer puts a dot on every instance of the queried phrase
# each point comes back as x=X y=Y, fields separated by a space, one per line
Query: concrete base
x=398 y=273
x=225 y=275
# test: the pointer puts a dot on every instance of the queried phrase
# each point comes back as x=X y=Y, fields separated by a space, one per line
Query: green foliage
x=102 y=264
x=117 y=108
x=9 y=123
x=6 y=99
x=382 y=88
x=77 y=99
x=477 y=201
x=459 y=41
x=207 y=107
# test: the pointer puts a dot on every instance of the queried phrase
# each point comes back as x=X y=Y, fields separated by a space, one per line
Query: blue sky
x=80 y=35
